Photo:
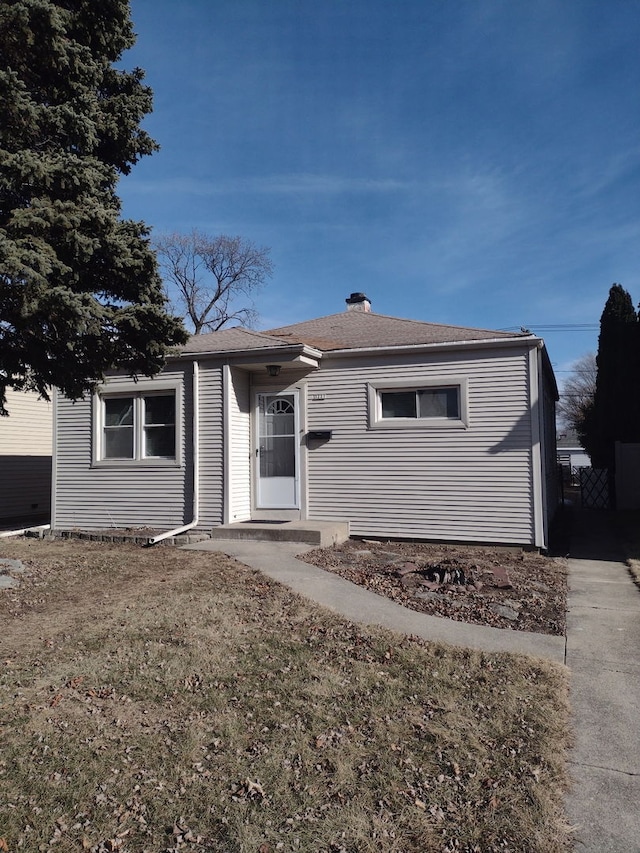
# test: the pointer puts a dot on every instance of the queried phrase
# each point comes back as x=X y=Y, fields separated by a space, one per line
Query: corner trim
x=226 y=444
x=539 y=533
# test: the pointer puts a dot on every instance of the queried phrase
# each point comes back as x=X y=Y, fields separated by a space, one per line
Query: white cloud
x=284 y=184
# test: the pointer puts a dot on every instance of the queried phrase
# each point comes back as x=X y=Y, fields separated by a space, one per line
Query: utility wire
x=557 y=327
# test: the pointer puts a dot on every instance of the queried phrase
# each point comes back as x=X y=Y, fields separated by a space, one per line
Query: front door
x=277 y=451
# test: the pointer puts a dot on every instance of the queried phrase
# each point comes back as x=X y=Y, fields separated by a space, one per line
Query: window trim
x=137 y=390
x=376 y=388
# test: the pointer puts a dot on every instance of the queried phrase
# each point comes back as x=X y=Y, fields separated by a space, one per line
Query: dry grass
x=162 y=700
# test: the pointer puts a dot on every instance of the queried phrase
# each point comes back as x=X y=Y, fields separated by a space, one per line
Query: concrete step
x=322 y=533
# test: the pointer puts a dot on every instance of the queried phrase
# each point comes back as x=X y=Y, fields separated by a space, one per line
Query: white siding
x=119 y=496
x=471 y=484
x=240 y=422
x=25 y=459
x=211 y=446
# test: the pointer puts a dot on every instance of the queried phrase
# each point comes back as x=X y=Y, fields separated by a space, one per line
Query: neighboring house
x=401 y=428
x=570 y=452
x=25 y=460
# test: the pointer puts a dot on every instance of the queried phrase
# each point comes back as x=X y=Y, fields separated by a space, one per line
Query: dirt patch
x=505 y=588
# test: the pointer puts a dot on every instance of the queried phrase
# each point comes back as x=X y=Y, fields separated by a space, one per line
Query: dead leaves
x=254 y=788
x=182 y=834
x=248 y=789
x=333 y=737
x=74 y=684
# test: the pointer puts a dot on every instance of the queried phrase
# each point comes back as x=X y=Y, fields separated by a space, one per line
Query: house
x=402 y=428
x=572 y=458
x=25 y=460
x=570 y=452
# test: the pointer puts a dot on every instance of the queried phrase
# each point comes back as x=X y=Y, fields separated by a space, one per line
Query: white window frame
x=138 y=391
x=377 y=388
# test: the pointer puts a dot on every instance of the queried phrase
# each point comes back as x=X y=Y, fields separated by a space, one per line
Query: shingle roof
x=230 y=340
x=346 y=330
x=364 y=329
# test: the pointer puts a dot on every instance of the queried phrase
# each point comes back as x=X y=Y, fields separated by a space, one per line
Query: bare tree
x=576 y=396
x=211 y=279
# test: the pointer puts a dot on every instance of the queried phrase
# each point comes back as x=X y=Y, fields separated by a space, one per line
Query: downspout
x=36 y=529
x=196 y=464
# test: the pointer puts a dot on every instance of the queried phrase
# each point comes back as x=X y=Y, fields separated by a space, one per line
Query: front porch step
x=321 y=533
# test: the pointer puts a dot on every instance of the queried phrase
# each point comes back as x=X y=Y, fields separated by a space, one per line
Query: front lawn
x=165 y=700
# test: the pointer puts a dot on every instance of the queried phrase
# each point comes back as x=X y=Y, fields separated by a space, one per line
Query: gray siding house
x=401 y=428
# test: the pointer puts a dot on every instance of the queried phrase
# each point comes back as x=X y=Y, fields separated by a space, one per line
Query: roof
x=233 y=340
x=348 y=330
x=365 y=329
x=568 y=438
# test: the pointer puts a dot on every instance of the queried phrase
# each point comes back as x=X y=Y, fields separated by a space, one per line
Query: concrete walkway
x=603 y=653
x=278 y=560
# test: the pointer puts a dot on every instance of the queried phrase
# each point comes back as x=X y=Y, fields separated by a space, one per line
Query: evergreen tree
x=614 y=413
x=79 y=287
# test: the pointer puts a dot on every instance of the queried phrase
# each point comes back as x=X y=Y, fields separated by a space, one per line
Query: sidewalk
x=603 y=653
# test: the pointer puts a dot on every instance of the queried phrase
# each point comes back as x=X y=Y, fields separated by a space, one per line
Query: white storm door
x=277 y=451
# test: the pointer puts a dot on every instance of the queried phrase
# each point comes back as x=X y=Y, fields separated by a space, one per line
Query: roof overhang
x=293 y=357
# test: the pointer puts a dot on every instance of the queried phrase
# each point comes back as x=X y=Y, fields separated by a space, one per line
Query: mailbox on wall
x=319 y=435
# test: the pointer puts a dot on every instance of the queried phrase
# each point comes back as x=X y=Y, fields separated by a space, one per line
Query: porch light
x=273 y=369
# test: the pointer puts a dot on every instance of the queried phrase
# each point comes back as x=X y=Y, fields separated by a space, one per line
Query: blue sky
x=474 y=163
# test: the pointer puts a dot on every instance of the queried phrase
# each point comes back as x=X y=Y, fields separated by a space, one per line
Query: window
x=138 y=426
x=404 y=404
x=159 y=426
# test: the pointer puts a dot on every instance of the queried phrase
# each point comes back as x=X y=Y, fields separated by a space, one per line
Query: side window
x=421 y=405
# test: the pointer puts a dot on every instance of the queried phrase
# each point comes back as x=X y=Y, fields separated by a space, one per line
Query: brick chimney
x=358 y=302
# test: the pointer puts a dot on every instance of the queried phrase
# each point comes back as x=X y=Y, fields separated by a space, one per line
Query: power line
x=554 y=327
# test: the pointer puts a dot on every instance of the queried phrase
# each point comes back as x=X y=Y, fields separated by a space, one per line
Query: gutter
x=485 y=343
x=196 y=464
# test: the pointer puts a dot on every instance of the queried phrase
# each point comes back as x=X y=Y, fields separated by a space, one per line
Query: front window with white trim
x=408 y=404
x=136 y=426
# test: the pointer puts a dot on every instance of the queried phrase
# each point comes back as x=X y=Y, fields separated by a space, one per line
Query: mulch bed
x=501 y=587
